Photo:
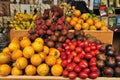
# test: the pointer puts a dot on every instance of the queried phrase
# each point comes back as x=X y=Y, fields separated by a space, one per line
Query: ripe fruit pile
x=108 y=62
x=23 y=21
x=52 y=20
x=79 y=58
x=85 y=22
x=23 y=57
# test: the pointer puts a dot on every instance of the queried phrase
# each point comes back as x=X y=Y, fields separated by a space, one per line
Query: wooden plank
x=104 y=36
x=18 y=33
x=50 y=78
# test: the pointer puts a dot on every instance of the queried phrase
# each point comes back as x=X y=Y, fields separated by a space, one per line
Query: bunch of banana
x=23 y=21
x=68 y=9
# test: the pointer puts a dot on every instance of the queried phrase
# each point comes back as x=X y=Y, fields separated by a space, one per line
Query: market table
x=50 y=78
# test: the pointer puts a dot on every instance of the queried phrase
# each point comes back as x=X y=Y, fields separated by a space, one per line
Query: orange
x=85 y=26
x=15 y=39
x=98 y=25
x=75 y=18
x=104 y=28
x=16 y=71
x=4 y=58
x=37 y=46
x=46 y=49
x=30 y=70
x=13 y=46
x=54 y=52
x=76 y=13
x=5 y=69
x=39 y=39
x=25 y=42
x=93 y=27
x=21 y=63
x=42 y=55
x=6 y=50
x=16 y=54
x=43 y=69
x=89 y=21
x=77 y=27
x=102 y=23
x=72 y=23
x=96 y=20
x=68 y=19
x=28 y=51
x=56 y=70
x=59 y=61
x=36 y=60
x=50 y=60
x=80 y=21
x=84 y=16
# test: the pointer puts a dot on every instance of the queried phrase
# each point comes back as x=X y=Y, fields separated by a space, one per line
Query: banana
x=31 y=25
x=35 y=16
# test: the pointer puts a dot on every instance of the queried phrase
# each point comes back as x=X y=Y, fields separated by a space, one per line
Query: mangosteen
x=110 y=52
x=118 y=63
x=50 y=43
x=91 y=39
x=82 y=33
x=53 y=37
x=62 y=39
x=98 y=42
x=117 y=57
x=108 y=47
x=77 y=32
x=57 y=33
x=64 y=32
x=70 y=35
x=108 y=72
x=58 y=45
x=74 y=39
x=100 y=64
x=110 y=61
x=87 y=36
x=103 y=47
x=117 y=72
x=80 y=37
x=101 y=56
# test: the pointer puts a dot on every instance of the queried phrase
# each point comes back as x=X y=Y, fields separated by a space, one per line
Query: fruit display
x=79 y=58
x=108 y=62
x=23 y=21
x=23 y=57
x=58 y=46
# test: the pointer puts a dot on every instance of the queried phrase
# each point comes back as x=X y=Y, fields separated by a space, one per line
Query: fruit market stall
x=61 y=44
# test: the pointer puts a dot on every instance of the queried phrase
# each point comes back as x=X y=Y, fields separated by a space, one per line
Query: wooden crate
x=18 y=33
x=51 y=78
x=104 y=36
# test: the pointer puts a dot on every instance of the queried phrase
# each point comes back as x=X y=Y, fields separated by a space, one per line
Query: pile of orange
x=31 y=58
x=84 y=22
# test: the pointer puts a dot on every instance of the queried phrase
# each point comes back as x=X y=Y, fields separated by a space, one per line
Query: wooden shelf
x=50 y=78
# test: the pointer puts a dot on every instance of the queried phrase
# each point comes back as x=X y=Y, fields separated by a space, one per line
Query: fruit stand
x=61 y=44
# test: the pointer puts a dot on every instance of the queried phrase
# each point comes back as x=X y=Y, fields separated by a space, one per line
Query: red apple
x=76 y=59
x=77 y=69
x=86 y=70
x=83 y=75
x=64 y=63
x=72 y=75
x=65 y=73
